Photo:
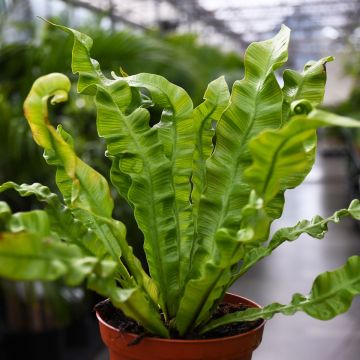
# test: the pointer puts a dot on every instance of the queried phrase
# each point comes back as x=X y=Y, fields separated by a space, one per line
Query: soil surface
x=118 y=320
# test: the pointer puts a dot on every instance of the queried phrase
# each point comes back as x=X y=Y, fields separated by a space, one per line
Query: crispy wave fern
x=205 y=185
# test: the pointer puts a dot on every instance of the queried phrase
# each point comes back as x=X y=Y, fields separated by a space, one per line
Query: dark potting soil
x=117 y=319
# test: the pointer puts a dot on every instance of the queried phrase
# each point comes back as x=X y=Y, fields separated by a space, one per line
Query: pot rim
x=190 y=341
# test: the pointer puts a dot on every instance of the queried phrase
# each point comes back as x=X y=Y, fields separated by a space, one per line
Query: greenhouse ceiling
x=318 y=26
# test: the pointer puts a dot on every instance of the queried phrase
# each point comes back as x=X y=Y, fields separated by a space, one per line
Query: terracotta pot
x=238 y=347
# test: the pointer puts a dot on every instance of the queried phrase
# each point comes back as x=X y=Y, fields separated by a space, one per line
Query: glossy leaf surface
x=255 y=104
x=280 y=158
x=210 y=111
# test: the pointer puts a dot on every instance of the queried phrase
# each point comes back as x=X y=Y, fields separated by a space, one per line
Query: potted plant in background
x=204 y=197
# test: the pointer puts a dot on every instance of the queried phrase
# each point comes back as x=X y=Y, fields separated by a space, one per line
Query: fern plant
x=203 y=195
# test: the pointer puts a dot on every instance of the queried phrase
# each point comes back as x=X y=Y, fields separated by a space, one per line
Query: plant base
x=238 y=347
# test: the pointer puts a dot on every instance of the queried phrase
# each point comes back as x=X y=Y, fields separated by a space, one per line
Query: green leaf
x=41 y=192
x=49 y=259
x=62 y=221
x=132 y=302
x=308 y=85
x=316 y=227
x=34 y=222
x=176 y=132
x=177 y=113
x=117 y=230
x=89 y=189
x=89 y=70
x=5 y=214
x=136 y=150
x=90 y=76
x=280 y=157
x=37 y=256
x=119 y=179
x=90 y=194
x=255 y=104
x=216 y=99
x=30 y=256
x=41 y=227
x=217 y=273
x=331 y=294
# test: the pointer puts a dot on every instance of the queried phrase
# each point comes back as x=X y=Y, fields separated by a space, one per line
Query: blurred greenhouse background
x=191 y=42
